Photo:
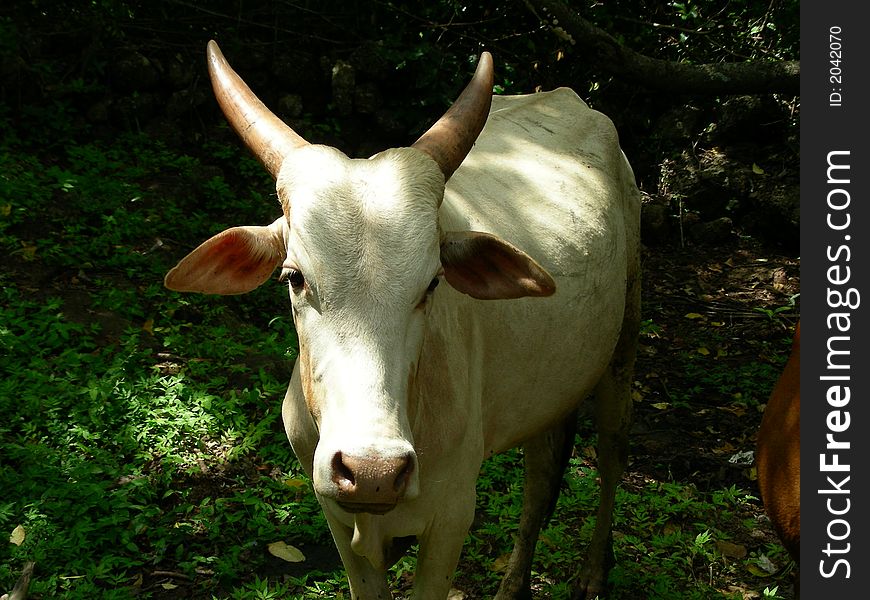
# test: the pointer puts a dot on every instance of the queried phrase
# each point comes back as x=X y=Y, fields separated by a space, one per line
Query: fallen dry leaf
x=18 y=535
x=730 y=549
x=286 y=552
x=500 y=564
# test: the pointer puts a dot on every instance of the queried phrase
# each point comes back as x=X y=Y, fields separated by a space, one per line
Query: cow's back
x=547 y=175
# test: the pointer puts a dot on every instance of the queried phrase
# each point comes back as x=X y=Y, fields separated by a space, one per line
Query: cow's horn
x=267 y=136
x=451 y=138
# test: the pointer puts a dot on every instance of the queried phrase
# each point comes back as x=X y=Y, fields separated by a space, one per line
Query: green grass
x=141 y=447
x=122 y=463
x=139 y=429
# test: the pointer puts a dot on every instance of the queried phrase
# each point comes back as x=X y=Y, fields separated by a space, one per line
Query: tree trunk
x=752 y=77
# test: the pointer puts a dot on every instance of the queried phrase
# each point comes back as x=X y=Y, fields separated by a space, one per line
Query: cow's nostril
x=404 y=474
x=342 y=475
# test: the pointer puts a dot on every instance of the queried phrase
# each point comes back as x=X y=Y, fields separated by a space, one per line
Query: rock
x=773 y=214
x=655 y=220
x=756 y=118
x=711 y=233
x=679 y=124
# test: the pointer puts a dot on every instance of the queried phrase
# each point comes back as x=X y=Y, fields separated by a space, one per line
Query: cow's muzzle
x=371 y=484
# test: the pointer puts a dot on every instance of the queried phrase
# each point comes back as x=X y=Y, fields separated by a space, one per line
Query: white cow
x=403 y=386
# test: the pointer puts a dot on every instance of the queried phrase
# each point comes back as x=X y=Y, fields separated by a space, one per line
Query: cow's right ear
x=488 y=268
x=235 y=261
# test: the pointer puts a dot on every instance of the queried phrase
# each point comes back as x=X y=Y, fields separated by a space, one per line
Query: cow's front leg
x=367 y=582
x=440 y=547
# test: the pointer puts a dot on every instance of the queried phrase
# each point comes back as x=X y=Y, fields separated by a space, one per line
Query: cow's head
x=361 y=249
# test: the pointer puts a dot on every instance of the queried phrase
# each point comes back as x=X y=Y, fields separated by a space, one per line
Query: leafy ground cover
x=141 y=447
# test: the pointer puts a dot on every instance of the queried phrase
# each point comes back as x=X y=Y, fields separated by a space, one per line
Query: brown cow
x=778 y=458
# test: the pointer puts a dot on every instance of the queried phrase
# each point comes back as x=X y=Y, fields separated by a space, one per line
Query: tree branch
x=750 y=77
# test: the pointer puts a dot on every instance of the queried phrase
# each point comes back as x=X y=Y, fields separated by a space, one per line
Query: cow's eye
x=432 y=285
x=293 y=276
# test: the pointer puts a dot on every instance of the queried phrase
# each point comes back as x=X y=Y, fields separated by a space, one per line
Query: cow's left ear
x=235 y=261
x=488 y=268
